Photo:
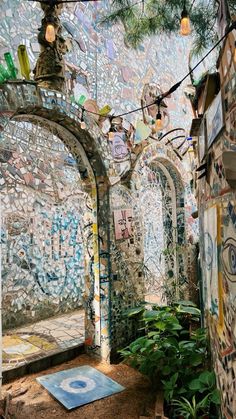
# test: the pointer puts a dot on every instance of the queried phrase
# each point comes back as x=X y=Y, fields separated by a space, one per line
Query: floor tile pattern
x=26 y=344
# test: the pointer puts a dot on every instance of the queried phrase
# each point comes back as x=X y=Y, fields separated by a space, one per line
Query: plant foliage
x=173 y=353
x=159 y=16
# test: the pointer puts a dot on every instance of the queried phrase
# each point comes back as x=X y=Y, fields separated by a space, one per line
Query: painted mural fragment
x=228 y=252
x=223 y=330
x=123 y=220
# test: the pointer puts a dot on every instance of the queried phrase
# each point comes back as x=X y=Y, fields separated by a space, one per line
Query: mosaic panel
x=100 y=159
x=126 y=270
x=45 y=210
x=220 y=296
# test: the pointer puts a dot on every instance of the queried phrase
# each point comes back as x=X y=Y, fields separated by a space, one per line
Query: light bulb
x=111 y=135
x=83 y=125
x=50 y=34
x=185 y=28
x=158 y=123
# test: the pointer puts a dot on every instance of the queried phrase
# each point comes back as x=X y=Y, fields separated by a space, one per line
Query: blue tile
x=78 y=386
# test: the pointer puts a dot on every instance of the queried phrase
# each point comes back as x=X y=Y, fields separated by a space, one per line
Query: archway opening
x=48 y=200
x=161 y=209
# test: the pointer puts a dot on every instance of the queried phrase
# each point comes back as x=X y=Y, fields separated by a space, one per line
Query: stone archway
x=163 y=199
x=49 y=209
x=26 y=101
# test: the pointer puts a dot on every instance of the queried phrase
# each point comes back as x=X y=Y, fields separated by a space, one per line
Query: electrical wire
x=176 y=85
x=173 y=88
x=55 y=2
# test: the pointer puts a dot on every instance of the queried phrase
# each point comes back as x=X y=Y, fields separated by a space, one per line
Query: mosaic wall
x=99 y=65
x=157 y=194
x=19 y=98
x=217 y=209
x=113 y=250
x=45 y=212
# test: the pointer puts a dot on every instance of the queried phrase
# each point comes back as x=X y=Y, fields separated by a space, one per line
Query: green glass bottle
x=10 y=65
x=2 y=78
x=4 y=74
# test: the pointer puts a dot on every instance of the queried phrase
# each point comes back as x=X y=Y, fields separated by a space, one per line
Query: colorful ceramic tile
x=142 y=132
x=15 y=347
x=78 y=386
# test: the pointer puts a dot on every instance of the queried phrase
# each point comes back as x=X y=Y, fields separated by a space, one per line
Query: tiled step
x=40 y=364
x=42 y=344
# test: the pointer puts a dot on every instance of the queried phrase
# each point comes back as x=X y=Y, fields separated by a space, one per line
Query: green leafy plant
x=206 y=383
x=166 y=341
x=191 y=410
x=173 y=353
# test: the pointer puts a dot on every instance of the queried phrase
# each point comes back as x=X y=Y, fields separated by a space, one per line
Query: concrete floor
x=42 y=339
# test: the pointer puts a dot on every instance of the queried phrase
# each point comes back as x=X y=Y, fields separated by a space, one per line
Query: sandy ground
x=135 y=401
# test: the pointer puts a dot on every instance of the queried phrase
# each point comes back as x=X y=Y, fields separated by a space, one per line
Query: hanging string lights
x=185 y=28
x=50 y=32
x=111 y=134
x=173 y=88
x=159 y=121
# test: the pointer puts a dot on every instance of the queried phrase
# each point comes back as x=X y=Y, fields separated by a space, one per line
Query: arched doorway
x=158 y=212
x=48 y=196
x=163 y=198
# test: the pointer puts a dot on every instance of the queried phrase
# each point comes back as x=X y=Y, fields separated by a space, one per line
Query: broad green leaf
x=189 y=310
x=150 y=314
x=134 y=311
x=185 y=303
x=195 y=384
x=152 y=334
x=208 y=378
x=166 y=370
x=161 y=325
x=215 y=397
x=176 y=326
x=196 y=359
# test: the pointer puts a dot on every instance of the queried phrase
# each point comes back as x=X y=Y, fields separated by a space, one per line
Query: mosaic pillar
x=50 y=67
